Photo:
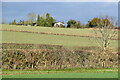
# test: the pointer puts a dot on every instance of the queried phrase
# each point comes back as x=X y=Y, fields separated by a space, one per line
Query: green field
x=71 y=41
x=85 y=32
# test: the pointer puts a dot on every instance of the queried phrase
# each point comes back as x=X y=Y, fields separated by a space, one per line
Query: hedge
x=39 y=59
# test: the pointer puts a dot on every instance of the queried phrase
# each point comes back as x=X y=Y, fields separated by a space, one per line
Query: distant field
x=20 y=37
x=66 y=31
x=84 y=32
x=71 y=41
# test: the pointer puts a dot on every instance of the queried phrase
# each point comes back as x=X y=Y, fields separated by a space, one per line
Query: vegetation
x=61 y=40
x=31 y=18
x=65 y=31
x=80 y=37
x=70 y=41
x=65 y=75
x=56 y=49
x=22 y=22
x=95 y=22
x=78 y=70
x=38 y=20
x=39 y=59
x=48 y=21
x=13 y=23
x=73 y=24
x=107 y=32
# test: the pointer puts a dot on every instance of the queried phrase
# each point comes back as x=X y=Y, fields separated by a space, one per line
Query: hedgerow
x=62 y=58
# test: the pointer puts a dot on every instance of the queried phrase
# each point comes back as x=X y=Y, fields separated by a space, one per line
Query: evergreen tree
x=49 y=20
x=38 y=20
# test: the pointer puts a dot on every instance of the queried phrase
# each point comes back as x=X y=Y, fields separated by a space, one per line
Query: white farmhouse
x=59 y=24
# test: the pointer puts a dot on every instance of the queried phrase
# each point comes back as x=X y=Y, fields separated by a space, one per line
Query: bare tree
x=31 y=17
x=103 y=35
x=105 y=31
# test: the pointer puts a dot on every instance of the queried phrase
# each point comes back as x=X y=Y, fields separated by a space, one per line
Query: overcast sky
x=61 y=11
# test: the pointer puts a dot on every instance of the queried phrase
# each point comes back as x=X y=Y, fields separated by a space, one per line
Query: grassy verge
x=65 y=75
x=72 y=70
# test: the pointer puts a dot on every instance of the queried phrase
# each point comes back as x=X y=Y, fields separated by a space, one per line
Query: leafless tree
x=103 y=35
x=105 y=31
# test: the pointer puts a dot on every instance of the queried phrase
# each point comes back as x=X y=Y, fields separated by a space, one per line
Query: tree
x=31 y=17
x=38 y=20
x=47 y=15
x=45 y=20
x=49 y=20
x=14 y=22
x=22 y=22
x=105 y=31
x=78 y=24
x=103 y=34
x=73 y=24
x=94 y=22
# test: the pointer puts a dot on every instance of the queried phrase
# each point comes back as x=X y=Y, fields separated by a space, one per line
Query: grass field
x=67 y=31
x=84 y=32
x=71 y=41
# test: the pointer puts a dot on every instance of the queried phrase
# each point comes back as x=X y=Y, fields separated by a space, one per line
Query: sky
x=61 y=11
x=60 y=0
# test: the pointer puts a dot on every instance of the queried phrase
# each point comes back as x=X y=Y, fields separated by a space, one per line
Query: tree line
x=48 y=21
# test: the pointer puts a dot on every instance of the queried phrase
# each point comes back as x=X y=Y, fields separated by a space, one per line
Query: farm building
x=59 y=24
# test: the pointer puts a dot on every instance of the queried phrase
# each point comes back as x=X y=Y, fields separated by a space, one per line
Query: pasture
x=83 y=38
x=66 y=31
x=83 y=32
